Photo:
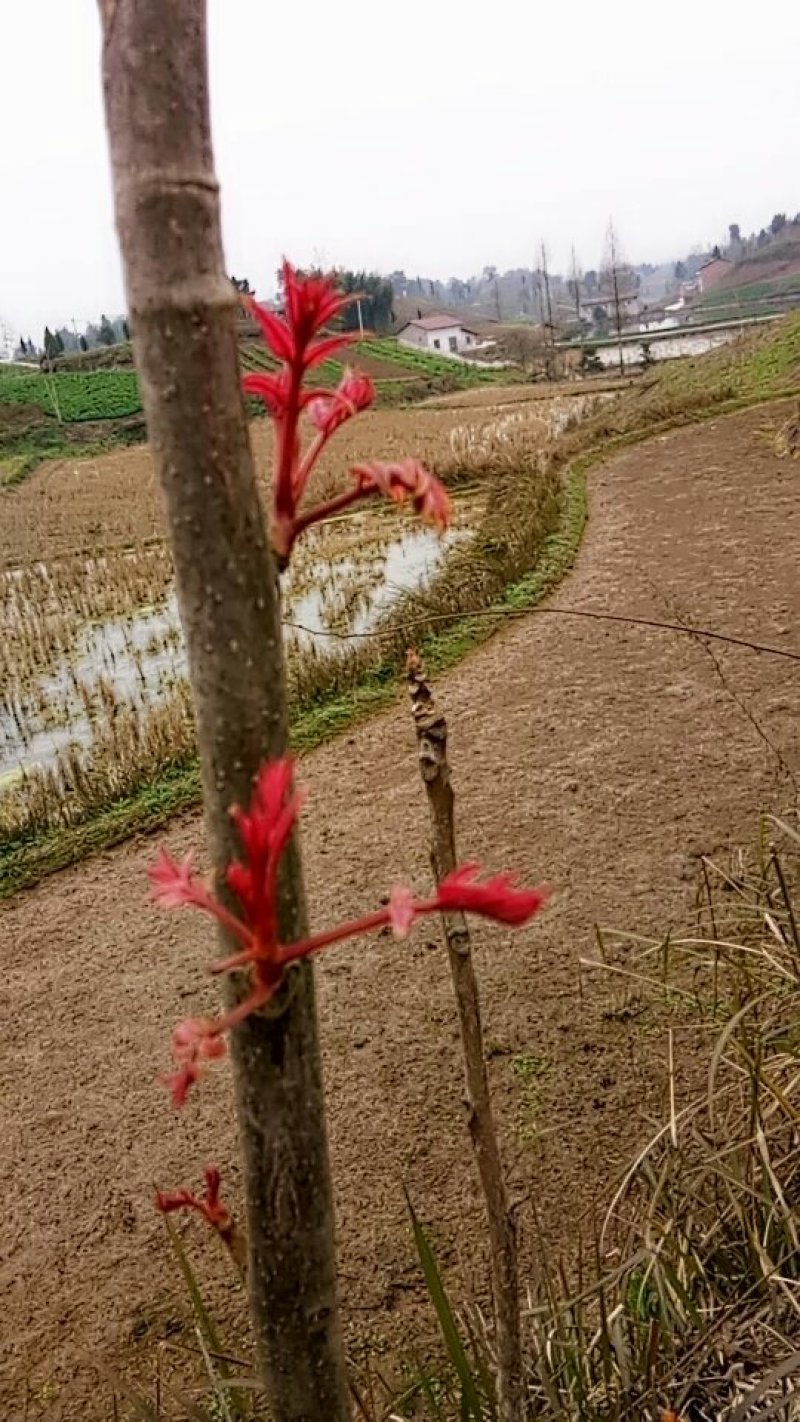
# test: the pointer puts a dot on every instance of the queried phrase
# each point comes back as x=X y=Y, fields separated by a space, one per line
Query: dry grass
x=545 y=392
x=45 y=607
x=698 y=1308
x=129 y=744
x=686 y=1302
x=759 y=365
x=787 y=437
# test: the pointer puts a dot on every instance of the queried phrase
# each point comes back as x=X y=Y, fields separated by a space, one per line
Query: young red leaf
x=265 y=829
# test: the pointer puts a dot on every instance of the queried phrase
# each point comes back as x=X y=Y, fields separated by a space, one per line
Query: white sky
x=432 y=135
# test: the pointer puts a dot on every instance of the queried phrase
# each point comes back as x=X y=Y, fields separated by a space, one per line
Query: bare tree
x=183 y=310
x=526 y=345
x=546 y=309
x=613 y=262
x=575 y=280
x=546 y=280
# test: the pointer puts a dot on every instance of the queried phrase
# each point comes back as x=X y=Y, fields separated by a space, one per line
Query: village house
x=606 y=302
x=712 y=272
x=439 y=332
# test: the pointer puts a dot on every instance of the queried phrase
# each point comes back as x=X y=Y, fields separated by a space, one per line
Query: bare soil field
x=601 y=757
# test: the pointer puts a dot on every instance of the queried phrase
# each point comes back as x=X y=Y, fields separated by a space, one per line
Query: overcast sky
x=433 y=135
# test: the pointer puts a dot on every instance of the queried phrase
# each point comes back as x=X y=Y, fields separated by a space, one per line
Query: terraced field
x=90 y=395
x=384 y=359
x=72 y=397
x=88 y=618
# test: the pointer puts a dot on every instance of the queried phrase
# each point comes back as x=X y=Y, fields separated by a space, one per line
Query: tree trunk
x=183 y=313
x=431 y=729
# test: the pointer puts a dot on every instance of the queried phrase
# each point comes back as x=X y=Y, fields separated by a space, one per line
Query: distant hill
x=764 y=279
x=777 y=259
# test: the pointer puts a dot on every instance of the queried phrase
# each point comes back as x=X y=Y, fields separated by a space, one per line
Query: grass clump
x=689 y=1306
x=704 y=1313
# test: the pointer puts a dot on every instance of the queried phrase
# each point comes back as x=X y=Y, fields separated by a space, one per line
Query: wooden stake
x=431 y=729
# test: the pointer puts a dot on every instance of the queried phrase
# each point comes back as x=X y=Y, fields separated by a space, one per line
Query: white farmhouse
x=439 y=332
x=7 y=341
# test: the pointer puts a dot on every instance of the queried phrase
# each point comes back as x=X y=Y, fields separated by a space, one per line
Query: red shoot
x=265 y=829
x=297 y=341
x=209 y=1205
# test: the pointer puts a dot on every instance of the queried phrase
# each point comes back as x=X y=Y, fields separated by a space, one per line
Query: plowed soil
x=601 y=757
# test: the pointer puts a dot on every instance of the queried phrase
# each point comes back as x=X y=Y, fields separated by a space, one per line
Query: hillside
x=763 y=282
x=380 y=357
x=762 y=364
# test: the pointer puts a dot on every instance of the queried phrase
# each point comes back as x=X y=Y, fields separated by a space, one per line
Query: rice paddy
x=94 y=696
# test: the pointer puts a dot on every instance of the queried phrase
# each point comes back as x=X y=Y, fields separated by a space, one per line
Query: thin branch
x=513 y=612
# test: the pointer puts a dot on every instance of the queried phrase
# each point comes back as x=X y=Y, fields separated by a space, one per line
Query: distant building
x=439 y=332
x=629 y=305
x=8 y=342
x=712 y=272
x=246 y=324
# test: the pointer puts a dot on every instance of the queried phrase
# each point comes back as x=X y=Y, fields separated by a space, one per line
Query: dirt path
x=599 y=757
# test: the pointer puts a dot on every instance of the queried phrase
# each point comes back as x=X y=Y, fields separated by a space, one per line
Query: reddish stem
x=307 y=464
x=331 y=506
x=286 y=953
x=243 y=1009
x=291 y=952
x=210 y=905
x=284 y=494
x=316 y=447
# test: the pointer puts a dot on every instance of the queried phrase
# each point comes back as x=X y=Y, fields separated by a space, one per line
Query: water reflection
x=345 y=582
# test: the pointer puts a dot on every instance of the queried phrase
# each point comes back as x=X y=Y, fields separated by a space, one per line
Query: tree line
x=372 y=307
x=737 y=246
x=60 y=340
